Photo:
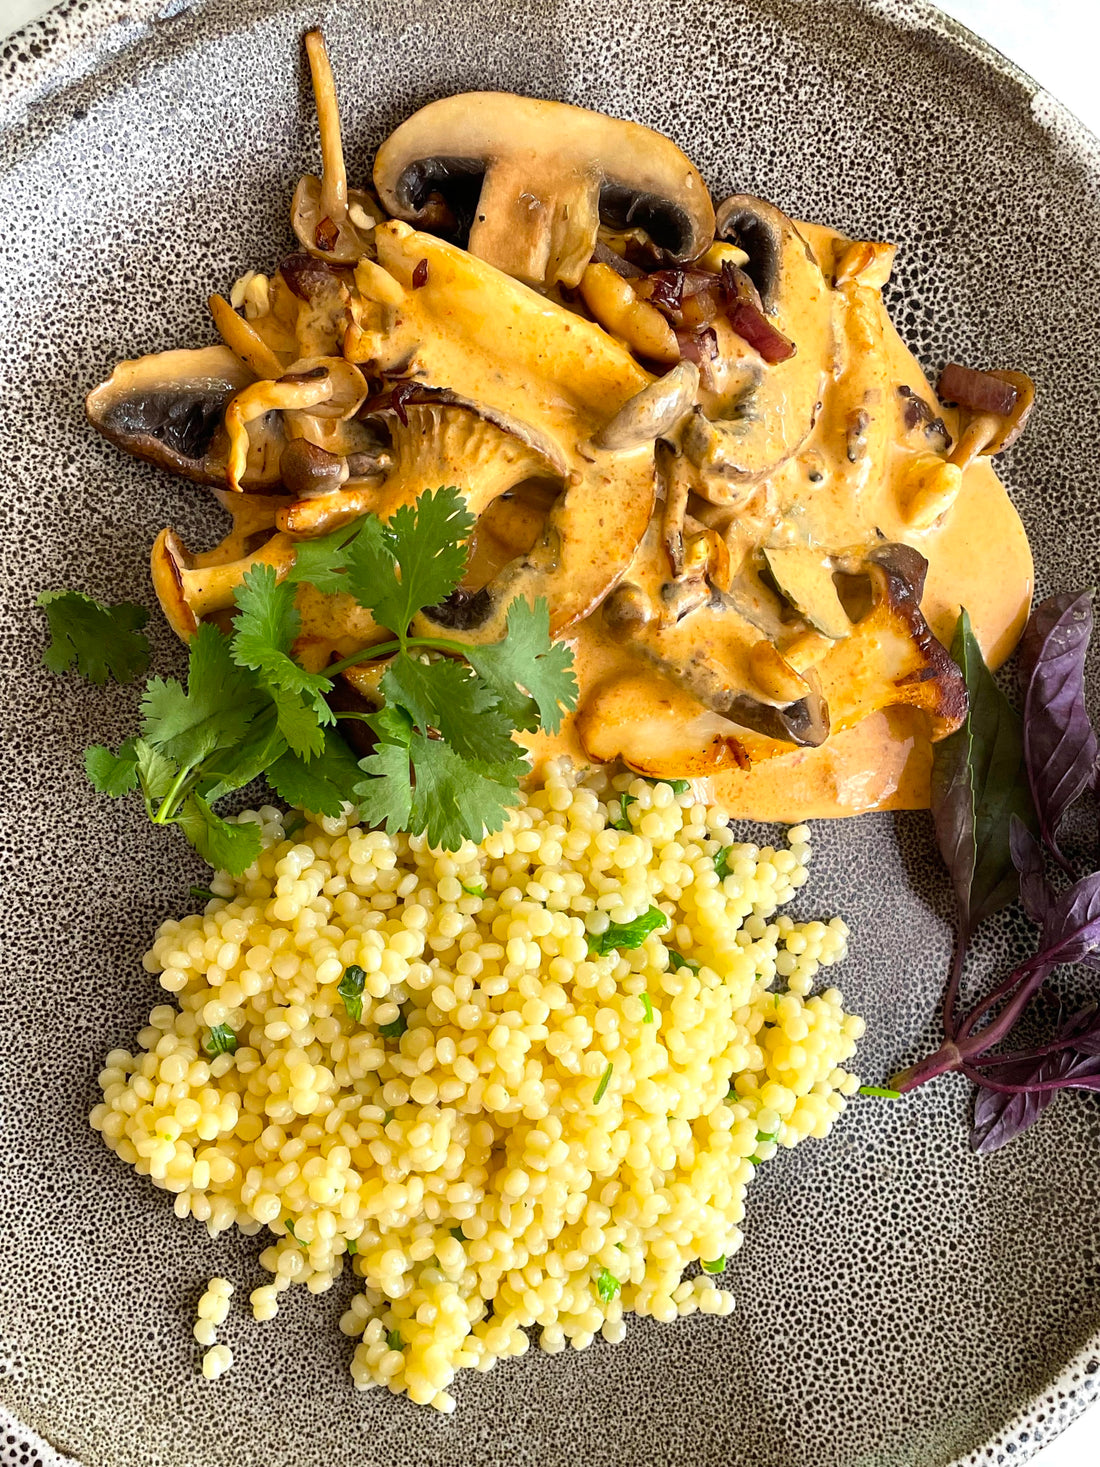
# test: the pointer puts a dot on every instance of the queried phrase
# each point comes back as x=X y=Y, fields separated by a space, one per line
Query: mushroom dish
x=691 y=427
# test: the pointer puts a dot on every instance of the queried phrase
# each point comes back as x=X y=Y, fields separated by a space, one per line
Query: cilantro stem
x=387 y=649
x=168 y=805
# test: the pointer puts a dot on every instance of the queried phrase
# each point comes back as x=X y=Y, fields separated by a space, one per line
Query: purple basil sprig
x=991 y=782
x=1059 y=739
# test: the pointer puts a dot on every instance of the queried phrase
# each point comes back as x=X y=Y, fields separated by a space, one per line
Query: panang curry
x=692 y=429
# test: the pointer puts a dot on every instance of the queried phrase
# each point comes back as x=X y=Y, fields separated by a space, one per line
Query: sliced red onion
x=980 y=392
x=306 y=275
x=700 y=347
x=751 y=324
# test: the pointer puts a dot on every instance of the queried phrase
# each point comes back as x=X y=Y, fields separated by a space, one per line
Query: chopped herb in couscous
x=520 y=1085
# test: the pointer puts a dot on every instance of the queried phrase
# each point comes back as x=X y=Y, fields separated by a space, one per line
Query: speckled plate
x=902 y=1304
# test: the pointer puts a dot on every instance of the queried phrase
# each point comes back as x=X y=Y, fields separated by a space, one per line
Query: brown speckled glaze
x=901 y=1303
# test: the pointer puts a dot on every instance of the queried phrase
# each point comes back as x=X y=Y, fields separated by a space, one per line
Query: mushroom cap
x=343 y=241
x=168 y=409
x=531 y=180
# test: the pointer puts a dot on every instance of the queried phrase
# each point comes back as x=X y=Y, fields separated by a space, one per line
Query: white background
x=1054 y=41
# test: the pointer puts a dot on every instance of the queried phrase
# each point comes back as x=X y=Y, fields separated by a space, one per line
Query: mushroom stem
x=655 y=411
x=188 y=591
x=243 y=340
x=334 y=178
x=975 y=438
x=256 y=402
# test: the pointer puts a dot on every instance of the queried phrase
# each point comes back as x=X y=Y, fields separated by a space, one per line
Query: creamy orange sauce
x=557 y=377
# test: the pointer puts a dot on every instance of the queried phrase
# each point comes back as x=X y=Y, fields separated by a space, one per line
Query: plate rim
x=70 y=42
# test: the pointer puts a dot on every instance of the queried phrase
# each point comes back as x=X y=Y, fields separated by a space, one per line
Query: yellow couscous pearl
x=447 y=1142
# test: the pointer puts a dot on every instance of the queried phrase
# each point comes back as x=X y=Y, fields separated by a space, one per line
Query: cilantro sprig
x=445 y=763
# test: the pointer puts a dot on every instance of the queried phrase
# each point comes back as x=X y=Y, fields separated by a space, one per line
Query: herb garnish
x=204 y=894
x=676 y=961
x=647 y=1005
x=350 y=989
x=220 y=1040
x=395 y=1028
x=626 y=935
x=722 y=862
x=394 y=1340
x=607 y=1285
x=605 y=1080
x=994 y=784
x=446 y=764
x=716 y=1265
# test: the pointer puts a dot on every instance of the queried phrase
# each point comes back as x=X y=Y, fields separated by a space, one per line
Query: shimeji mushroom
x=442 y=318
x=776 y=413
x=530 y=181
x=326 y=387
x=331 y=221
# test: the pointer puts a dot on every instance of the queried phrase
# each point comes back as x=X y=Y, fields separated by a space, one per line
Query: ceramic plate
x=901 y=1303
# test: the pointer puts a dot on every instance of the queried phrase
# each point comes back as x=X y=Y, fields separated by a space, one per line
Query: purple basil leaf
x=1071 y=929
x=1027 y=856
x=1059 y=740
x=979 y=783
x=999 y=1117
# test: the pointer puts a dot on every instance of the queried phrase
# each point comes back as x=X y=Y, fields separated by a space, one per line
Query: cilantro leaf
x=722 y=862
x=626 y=935
x=714 y=1265
x=531 y=675
x=213 y=713
x=323 y=784
x=446 y=696
x=423 y=786
x=395 y=1028
x=112 y=774
x=156 y=774
x=239 y=764
x=350 y=989
x=220 y=1040
x=265 y=627
x=427 y=542
x=226 y=847
x=103 y=641
x=623 y=822
x=607 y=1285
x=676 y=961
x=322 y=562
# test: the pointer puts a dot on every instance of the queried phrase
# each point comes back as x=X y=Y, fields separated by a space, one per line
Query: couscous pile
x=521 y=1085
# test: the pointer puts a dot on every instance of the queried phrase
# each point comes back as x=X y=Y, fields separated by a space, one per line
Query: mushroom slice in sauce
x=994 y=407
x=763 y=426
x=430 y=444
x=326 y=387
x=530 y=181
x=190 y=587
x=331 y=221
x=168 y=410
x=526 y=361
x=805 y=578
x=656 y=728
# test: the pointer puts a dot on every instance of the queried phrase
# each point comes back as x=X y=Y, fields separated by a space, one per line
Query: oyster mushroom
x=326 y=387
x=657 y=729
x=168 y=409
x=430 y=444
x=522 y=359
x=530 y=181
x=331 y=221
x=804 y=575
x=767 y=422
x=190 y=587
x=655 y=411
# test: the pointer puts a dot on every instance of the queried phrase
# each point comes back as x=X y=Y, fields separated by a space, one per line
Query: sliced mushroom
x=328 y=387
x=805 y=577
x=543 y=175
x=190 y=587
x=655 y=411
x=768 y=422
x=331 y=221
x=168 y=409
x=431 y=444
x=243 y=340
x=518 y=356
x=994 y=407
x=656 y=728
x=618 y=309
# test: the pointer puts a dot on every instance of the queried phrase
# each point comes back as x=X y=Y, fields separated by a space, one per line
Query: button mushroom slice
x=766 y=423
x=328 y=387
x=656 y=729
x=891 y=656
x=994 y=408
x=431 y=444
x=548 y=172
x=168 y=409
x=618 y=309
x=331 y=221
x=190 y=587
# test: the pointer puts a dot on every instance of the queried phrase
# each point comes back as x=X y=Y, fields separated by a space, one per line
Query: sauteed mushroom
x=531 y=180
x=331 y=221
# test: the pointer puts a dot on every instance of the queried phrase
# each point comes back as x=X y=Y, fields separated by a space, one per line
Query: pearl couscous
x=455 y=1069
